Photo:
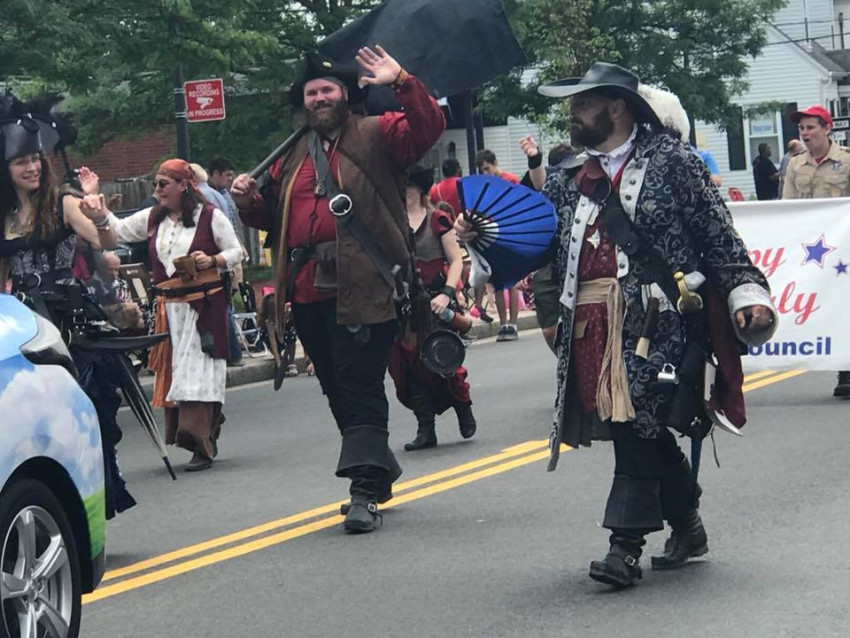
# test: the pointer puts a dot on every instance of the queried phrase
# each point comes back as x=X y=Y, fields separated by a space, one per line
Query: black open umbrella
x=451 y=45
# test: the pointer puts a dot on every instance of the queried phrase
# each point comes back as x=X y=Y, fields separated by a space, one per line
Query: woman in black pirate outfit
x=38 y=231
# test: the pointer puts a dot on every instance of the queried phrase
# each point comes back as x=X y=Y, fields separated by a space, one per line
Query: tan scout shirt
x=808 y=180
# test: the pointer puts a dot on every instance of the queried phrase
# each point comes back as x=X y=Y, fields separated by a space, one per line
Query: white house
x=804 y=63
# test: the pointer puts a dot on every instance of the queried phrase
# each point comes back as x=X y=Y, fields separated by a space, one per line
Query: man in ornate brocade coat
x=666 y=192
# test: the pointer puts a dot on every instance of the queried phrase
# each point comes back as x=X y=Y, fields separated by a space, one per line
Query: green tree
x=700 y=49
x=115 y=58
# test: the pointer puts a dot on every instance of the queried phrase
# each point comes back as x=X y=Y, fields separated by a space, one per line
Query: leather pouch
x=327 y=277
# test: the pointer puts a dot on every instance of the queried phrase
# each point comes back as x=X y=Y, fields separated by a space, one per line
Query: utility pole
x=469 y=121
x=180 y=122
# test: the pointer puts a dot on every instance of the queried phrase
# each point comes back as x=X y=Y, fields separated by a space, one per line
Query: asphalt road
x=481 y=540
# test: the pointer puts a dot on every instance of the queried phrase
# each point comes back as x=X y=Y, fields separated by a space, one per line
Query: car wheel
x=40 y=579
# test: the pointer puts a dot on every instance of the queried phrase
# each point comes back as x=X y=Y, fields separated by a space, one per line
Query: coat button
x=578 y=221
x=570 y=295
x=632 y=182
x=573 y=239
x=628 y=198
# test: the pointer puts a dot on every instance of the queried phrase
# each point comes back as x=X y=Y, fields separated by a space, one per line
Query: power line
x=809 y=39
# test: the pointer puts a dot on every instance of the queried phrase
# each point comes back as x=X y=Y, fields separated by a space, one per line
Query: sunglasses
x=161 y=183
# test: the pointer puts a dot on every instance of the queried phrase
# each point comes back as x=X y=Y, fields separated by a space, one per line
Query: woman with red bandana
x=191 y=244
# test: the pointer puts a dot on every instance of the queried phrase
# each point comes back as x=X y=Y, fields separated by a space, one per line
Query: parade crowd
x=645 y=283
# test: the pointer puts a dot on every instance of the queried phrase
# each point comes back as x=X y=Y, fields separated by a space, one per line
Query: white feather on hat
x=668 y=108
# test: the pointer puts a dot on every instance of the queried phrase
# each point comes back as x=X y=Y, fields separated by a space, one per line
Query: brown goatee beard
x=329 y=121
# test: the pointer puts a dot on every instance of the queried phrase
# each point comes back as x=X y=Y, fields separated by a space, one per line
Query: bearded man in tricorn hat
x=643 y=232
x=336 y=209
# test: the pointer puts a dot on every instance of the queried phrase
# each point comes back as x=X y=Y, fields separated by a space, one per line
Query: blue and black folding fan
x=515 y=225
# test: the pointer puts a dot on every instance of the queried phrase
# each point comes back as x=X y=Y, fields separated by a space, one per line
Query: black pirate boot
x=465 y=420
x=385 y=485
x=426 y=435
x=621 y=566
x=842 y=389
x=362 y=514
x=423 y=408
x=687 y=540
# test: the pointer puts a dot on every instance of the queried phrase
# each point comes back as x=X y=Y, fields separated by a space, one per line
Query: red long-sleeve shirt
x=408 y=136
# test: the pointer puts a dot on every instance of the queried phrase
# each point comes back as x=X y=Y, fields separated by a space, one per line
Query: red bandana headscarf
x=177 y=169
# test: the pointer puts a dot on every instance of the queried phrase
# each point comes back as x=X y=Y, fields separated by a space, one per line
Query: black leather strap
x=367 y=240
x=622 y=231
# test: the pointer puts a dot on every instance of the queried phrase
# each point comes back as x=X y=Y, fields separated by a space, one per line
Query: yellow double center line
x=279 y=531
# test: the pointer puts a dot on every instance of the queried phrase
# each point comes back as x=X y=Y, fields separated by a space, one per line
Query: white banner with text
x=803 y=247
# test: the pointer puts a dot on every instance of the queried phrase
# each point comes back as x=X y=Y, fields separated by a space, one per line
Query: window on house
x=764 y=128
x=735 y=142
x=789 y=129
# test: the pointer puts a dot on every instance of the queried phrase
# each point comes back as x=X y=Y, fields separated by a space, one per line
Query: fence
x=133 y=191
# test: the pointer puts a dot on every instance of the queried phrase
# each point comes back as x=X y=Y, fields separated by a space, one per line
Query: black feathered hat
x=611 y=80
x=319 y=66
x=421 y=177
x=28 y=127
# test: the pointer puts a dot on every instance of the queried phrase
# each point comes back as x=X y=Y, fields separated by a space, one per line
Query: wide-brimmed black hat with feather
x=611 y=80
x=318 y=66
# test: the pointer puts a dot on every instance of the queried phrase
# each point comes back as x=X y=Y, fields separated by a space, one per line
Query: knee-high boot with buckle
x=621 y=566
x=687 y=540
x=362 y=514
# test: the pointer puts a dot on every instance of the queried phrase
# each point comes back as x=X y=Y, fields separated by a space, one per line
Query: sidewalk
x=261 y=367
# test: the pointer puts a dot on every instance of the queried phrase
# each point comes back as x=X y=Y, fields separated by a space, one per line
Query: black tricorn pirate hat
x=611 y=80
x=421 y=177
x=25 y=128
x=320 y=66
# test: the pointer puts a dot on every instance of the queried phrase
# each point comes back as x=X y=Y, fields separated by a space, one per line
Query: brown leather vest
x=375 y=181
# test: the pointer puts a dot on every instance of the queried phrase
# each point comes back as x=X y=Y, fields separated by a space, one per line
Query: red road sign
x=204 y=100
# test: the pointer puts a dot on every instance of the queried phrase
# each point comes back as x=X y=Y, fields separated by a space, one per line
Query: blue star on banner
x=817 y=251
x=841 y=268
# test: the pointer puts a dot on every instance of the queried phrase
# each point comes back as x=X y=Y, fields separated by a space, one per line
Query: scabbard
x=649 y=323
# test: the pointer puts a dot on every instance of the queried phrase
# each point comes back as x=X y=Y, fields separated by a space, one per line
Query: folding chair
x=247 y=327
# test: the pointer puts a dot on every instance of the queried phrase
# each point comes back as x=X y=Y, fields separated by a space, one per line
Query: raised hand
x=93 y=207
x=379 y=67
x=529 y=146
x=89 y=181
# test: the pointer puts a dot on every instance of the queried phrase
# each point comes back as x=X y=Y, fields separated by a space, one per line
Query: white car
x=52 y=515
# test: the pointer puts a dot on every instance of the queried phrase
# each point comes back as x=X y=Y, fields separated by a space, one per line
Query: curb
x=261 y=368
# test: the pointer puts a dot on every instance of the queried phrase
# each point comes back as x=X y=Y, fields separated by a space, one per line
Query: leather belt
x=188 y=290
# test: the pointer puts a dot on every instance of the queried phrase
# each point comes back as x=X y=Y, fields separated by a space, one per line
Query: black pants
x=652 y=481
x=98 y=379
x=351 y=365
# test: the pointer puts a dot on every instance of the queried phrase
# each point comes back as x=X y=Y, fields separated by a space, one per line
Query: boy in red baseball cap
x=823 y=170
